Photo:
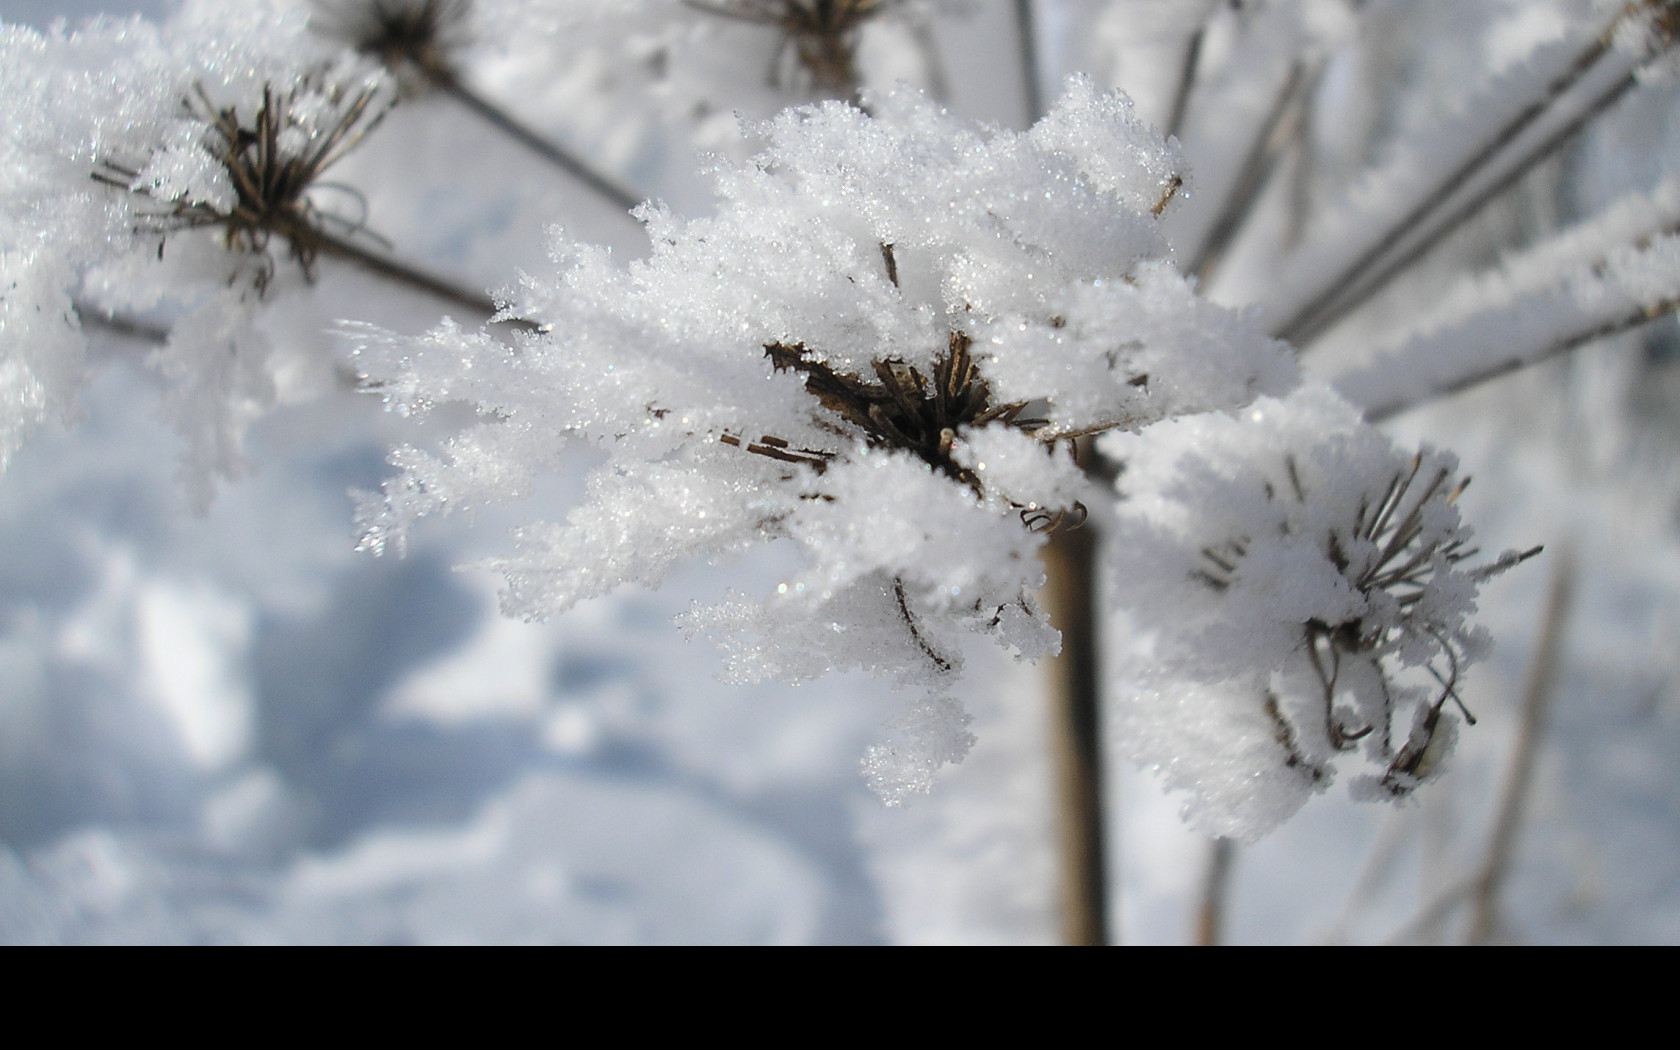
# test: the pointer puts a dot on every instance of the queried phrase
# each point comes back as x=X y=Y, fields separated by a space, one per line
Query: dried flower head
x=416 y=40
x=820 y=34
x=1326 y=583
x=253 y=178
x=897 y=406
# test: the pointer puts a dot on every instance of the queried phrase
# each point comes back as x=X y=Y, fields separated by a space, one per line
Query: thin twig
x=1428 y=920
x=1642 y=316
x=938 y=81
x=1380 y=865
x=928 y=651
x=1537 y=693
x=620 y=196
x=402 y=273
x=121 y=325
x=1256 y=170
x=1069 y=597
x=1187 y=78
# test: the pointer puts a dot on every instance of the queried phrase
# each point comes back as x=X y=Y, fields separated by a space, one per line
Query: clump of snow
x=1307 y=589
x=873 y=350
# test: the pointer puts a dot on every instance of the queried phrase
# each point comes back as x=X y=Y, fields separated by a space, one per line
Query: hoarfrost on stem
x=878 y=349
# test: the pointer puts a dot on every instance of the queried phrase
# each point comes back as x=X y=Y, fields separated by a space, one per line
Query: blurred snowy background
x=234 y=728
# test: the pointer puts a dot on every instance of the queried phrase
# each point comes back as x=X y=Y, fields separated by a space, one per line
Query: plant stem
x=399 y=272
x=1542 y=682
x=1075 y=736
x=1026 y=36
x=1257 y=168
x=393 y=270
x=1187 y=79
x=621 y=197
x=1216 y=886
x=121 y=325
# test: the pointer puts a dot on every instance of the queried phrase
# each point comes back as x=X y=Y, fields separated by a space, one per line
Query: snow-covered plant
x=251 y=178
x=1306 y=590
x=163 y=173
x=879 y=349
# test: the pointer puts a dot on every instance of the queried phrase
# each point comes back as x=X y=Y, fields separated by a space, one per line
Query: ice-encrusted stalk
x=1516 y=146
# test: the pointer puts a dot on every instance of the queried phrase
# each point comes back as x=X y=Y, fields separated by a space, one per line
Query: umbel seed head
x=415 y=39
x=271 y=162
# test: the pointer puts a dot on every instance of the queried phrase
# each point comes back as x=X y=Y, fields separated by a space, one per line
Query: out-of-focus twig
x=552 y=152
x=1075 y=739
x=1431 y=218
x=1187 y=73
x=1282 y=126
x=1537 y=694
x=1026 y=35
x=122 y=326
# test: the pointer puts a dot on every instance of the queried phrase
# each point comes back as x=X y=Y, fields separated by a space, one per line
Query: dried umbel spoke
x=897 y=406
x=415 y=39
x=822 y=34
x=271 y=163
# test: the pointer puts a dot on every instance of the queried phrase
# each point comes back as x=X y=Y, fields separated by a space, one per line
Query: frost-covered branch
x=1607 y=275
x=1433 y=182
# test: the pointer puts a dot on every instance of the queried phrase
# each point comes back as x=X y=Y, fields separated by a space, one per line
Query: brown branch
x=1075 y=738
x=620 y=196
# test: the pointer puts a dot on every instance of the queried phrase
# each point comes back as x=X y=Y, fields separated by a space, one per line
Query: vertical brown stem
x=1542 y=680
x=1075 y=739
x=1216 y=883
x=1026 y=35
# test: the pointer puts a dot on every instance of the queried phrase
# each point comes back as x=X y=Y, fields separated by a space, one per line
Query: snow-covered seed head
x=269 y=163
x=1390 y=553
x=415 y=39
x=822 y=35
x=896 y=406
